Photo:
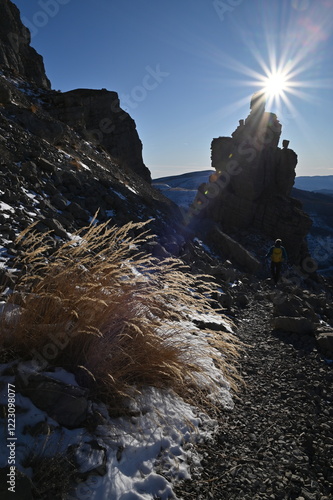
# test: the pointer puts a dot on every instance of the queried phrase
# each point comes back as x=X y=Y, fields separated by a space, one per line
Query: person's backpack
x=277 y=254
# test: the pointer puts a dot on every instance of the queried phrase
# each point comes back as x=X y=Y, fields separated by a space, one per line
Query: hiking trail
x=277 y=442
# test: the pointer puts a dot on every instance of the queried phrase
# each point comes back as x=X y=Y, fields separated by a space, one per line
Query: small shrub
x=98 y=303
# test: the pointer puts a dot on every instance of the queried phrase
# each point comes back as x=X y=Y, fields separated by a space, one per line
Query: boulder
x=5 y=92
x=59 y=202
x=302 y=326
x=225 y=300
x=65 y=403
x=241 y=300
x=45 y=165
x=223 y=244
x=56 y=227
x=324 y=338
x=295 y=307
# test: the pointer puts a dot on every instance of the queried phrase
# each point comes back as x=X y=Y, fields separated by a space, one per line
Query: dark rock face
x=52 y=176
x=67 y=404
x=66 y=156
x=96 y=114
x=16 y=55
x=253 y=182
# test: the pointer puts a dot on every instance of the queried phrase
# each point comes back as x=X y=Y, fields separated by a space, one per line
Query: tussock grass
x=99 y=307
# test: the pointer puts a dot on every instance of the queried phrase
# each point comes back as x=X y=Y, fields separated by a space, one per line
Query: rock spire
x=253 y=181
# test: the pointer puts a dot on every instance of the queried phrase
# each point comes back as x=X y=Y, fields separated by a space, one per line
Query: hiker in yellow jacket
x=278 y=254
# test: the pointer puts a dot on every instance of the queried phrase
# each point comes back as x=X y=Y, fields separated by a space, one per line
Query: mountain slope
x=182 y=189
x=51 y=175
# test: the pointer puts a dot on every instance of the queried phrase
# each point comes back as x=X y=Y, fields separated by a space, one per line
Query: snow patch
x=4 y=207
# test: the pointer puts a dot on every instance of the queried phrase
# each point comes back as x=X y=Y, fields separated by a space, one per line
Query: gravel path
x=277 y=443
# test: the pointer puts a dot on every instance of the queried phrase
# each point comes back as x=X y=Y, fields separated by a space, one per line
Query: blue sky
x=185 y=70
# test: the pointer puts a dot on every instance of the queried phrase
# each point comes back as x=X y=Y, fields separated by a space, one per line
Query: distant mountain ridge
x=316 y=183
x=191 y=180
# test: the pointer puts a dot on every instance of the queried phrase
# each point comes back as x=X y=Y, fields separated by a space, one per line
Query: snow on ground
x=4 y=207
x=153 y=449
x=146 y=452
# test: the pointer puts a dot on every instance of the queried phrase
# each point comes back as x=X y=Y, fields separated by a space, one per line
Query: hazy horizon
x=210 y=168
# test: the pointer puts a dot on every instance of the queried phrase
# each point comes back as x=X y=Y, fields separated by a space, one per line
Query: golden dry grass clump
x=99 y=304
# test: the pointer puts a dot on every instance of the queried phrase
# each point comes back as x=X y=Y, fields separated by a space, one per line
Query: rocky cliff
x=66 y=156
x=51 y=175
x=16 y=54
x=253 y=182
x=95 y=114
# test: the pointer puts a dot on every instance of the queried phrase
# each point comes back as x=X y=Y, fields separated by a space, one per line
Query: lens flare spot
x=275 y=84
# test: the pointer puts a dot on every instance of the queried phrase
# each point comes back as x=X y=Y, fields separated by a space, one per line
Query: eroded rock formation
x=253 y=181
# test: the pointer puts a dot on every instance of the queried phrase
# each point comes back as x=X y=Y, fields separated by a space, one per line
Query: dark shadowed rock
x=91 y=458
x=294 y=306
x=55 y=226
x=252 y=184
x=5 y=92
x=302 y=326
x=16 y=54
x=64 y=403
x=324 y=338
x=231 y=249
x=97 y=115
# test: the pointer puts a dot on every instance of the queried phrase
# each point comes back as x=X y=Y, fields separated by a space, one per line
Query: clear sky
x=185 y=70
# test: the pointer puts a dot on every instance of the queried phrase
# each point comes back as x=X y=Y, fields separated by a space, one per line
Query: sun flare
x=275 y=84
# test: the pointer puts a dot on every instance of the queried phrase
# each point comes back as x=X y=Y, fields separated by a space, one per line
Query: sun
x=275 y=84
